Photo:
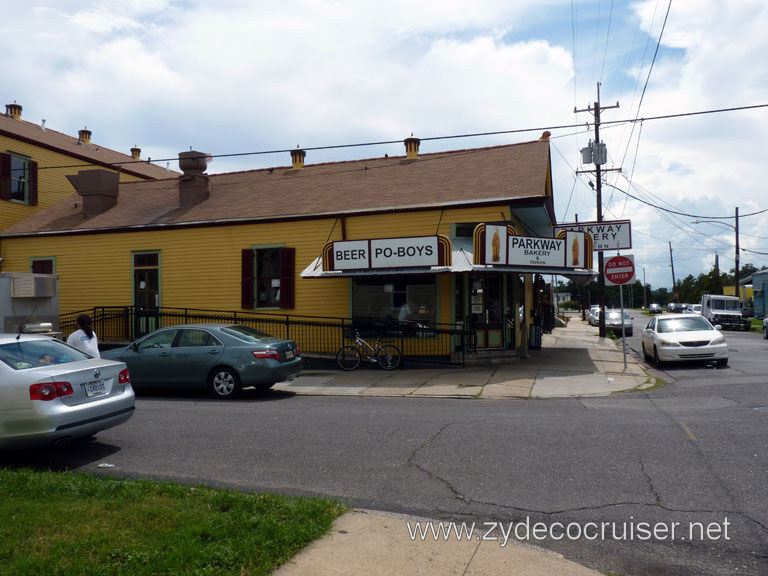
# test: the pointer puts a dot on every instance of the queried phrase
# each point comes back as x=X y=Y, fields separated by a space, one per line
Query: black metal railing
x=315 y=335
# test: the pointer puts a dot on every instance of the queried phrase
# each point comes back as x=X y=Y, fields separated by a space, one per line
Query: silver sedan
x=683 y=337
x=53 y=393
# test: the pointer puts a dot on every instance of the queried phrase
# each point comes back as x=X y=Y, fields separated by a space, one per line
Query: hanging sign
x=606 y=235
x=567 y=252
x=411 y=252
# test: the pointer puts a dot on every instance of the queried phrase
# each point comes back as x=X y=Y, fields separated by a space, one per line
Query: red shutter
x=287 y=277
x=5 y=176
x=246 y=297
x=32 y=183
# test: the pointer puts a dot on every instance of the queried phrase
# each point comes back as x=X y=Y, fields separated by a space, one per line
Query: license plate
x=96 y=388
x=289 y=354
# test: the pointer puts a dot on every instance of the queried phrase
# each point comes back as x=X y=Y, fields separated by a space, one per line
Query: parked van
x=723 y=310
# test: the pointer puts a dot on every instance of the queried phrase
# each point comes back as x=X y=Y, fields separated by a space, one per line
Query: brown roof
x=506 y=174
x=80 y=152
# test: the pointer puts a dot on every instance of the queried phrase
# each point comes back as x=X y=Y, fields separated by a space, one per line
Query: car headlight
x=718 y=340
x=669 y=343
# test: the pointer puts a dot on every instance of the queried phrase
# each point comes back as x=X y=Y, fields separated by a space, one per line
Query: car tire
x=765 y=332
x=645 y=354
x=223 y=383
x=656 y=359
x=722 y=362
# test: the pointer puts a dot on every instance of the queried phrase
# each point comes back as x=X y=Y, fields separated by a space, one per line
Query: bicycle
x=385 y=355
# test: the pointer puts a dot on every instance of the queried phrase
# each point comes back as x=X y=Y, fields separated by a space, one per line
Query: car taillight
x=50 y=390
x=265 y=354
x=298 y=352
x=124 y=377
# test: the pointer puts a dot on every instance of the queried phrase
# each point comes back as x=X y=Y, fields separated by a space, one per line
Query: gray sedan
x=222 y=358
x=53 y=393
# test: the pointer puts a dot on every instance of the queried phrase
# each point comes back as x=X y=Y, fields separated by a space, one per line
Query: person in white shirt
x=84 y=338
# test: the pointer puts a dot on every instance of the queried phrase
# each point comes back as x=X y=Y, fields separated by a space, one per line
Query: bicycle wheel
x=388 y=357
x=348 y=358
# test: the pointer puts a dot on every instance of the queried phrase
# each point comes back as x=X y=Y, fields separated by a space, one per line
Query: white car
x=593 y=315
x=51 y=393
x=683 y=337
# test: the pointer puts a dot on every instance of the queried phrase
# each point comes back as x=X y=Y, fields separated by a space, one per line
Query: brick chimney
x=194 y=186
x=84 y=136
x=13 y=110
x=99 y=189
x=136 y=152
x=412 y=147
x=297 y=158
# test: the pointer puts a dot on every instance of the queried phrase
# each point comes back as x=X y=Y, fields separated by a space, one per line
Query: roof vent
x=136 y=152
x=297 y=158
x=42 y=125
x=545 y=136
x=99 y=189
x=194 y=186
x=84 y=136
x=13 y=110
x=412 y=147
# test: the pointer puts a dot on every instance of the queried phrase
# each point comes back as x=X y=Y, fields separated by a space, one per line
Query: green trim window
x=268 y=277
x=406 y=299
x=18 y=179
x=42 y=265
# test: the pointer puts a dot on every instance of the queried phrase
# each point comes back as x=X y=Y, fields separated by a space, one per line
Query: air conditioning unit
x=33 y=286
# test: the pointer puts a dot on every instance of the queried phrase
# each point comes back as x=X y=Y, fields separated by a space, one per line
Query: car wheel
x=645 y=353
x=223 y=383
x=656 y=358
x=722 y=362
x=765 y=332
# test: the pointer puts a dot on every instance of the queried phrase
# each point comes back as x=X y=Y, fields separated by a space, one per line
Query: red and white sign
x=619 y=270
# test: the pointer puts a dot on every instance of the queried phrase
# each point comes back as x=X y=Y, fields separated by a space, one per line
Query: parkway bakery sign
x=379 y=253
x=606 y=235
x=502 y=248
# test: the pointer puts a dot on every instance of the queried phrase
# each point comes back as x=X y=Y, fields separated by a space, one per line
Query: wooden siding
x=53 y=185
x=201 y=267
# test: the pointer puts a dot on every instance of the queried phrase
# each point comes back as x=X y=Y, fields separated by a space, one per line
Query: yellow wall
x=201 y=267
x=51 y=182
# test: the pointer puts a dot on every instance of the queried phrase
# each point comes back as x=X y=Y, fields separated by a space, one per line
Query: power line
x=435 y=138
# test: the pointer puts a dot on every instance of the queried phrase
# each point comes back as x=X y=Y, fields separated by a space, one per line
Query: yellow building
x=35 y=162
x=458 y=239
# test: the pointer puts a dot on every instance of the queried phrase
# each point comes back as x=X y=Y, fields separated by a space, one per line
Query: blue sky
x=237 y=76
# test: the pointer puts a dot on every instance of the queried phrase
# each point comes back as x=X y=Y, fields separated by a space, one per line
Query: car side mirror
x=134 y=346
x=718 y=327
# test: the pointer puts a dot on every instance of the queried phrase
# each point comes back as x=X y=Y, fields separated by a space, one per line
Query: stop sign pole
x=620 y=270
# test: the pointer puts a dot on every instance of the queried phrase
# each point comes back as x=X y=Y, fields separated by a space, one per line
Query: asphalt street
x=695 y=450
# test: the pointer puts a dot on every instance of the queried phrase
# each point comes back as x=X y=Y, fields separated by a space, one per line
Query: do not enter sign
x=619 y=270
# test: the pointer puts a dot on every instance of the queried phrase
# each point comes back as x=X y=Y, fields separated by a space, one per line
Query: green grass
x=58 y=523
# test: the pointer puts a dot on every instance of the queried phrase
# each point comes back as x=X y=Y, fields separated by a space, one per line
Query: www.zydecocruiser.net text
x=528 y=531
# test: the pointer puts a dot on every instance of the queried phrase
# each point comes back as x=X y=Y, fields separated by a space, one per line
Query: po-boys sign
x=412 y=252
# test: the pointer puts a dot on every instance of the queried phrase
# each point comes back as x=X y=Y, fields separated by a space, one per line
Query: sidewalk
x=573 y=361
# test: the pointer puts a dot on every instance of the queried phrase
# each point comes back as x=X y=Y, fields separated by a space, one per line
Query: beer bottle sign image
x=495 y=244
x=576 y=257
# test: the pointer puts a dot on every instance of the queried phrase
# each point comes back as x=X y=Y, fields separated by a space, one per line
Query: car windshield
x=247 y=334
x=23 y=354
x=684 y=324
x=723 y=304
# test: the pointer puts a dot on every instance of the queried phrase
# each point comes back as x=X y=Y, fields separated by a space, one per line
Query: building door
x=146 y=293
x=485 y=317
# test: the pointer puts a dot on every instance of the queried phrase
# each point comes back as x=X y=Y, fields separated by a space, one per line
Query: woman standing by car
x=84 y=337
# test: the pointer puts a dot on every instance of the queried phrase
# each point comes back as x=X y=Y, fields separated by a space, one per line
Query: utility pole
x=645 y=299
x=736 y=272
x=672 y=264
x=598 y=161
